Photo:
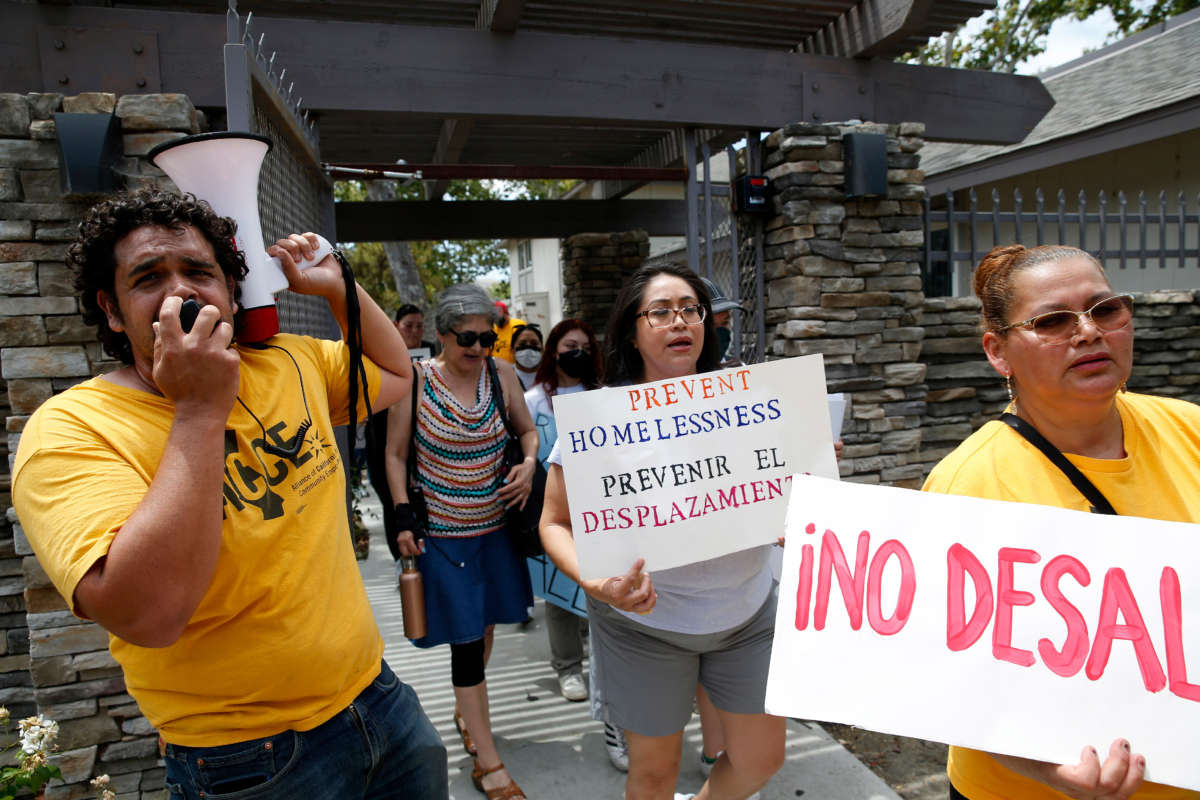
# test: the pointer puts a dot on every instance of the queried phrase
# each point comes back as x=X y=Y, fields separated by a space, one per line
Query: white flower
x=100 y=782
x=3 y=715
x=38 y=734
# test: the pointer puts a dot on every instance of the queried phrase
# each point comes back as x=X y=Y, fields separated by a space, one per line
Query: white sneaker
x=617 y=747
x=572 y=687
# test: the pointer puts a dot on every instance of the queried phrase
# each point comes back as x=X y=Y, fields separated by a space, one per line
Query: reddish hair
x=547 y=371
x=993 y=283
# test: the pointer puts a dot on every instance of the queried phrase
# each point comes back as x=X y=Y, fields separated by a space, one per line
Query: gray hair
x=459 y=301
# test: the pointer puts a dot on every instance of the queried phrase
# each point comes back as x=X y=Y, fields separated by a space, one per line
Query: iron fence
x=731 y=250
x=1126 y=233
x=729 y=246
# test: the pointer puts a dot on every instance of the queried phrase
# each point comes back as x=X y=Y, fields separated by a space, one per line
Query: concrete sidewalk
x=552 y=748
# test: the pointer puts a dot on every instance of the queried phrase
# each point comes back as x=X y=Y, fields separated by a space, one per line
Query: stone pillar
x=50 y=661
x=964 y=390
x=844 y=279
x=594 y=267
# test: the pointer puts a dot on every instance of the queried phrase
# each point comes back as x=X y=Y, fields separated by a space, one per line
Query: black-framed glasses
x=664 y=317
x=468 y=338
x=1053 y=327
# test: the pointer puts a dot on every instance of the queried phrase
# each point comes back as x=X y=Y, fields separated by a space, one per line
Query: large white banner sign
x=688 y=469
x=1005 y=627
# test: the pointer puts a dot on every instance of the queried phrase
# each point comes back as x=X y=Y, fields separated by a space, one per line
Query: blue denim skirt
x=471 y=583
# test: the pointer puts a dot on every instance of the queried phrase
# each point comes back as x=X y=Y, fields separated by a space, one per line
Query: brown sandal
x=509 y=791
x=463 y=733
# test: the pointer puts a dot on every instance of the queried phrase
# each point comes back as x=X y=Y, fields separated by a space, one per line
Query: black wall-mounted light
x=88 y=147
x=865 y=157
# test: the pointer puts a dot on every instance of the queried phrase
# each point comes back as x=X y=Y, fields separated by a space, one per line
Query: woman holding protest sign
x=1063 y=341
x=711 y=621
x=570 y=363
x=473 y=577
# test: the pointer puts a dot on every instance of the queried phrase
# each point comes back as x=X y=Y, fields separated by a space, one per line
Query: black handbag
x=521 y=523
x=395 y=520
x=416 y=495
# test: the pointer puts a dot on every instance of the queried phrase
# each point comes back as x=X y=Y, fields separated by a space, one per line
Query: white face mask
x=528 y=358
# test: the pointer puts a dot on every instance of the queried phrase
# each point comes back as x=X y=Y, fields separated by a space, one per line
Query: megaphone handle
x=324 y=248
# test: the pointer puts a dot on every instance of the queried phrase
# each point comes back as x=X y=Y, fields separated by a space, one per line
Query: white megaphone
x=222 y=169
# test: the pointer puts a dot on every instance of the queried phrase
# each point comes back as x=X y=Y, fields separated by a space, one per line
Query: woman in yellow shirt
x=1063 y=341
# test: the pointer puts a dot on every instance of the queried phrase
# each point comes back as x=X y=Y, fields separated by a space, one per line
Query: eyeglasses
x=1053 y=327
x=468 y=338
x=664 y=317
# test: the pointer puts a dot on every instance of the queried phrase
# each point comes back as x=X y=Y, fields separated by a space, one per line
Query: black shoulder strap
x=499 y=391
x=1100 y=504
x=412 y=430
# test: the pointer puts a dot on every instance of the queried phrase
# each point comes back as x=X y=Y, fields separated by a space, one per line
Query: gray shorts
x=648 y=676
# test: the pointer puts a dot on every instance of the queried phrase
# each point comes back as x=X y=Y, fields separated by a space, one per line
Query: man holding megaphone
x=193 y=503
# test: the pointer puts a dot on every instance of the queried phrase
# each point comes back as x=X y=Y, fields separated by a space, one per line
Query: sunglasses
x=468 y=338
x=1110 y=314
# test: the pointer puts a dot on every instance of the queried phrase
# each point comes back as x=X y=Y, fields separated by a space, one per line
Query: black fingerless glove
x=405 y=519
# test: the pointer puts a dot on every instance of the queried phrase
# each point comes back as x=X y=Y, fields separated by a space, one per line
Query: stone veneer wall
x=843 y=279
x=965 y=392
x=50 y=661
x=594 y=266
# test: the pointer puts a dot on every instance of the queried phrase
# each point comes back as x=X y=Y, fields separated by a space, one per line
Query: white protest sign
x=1006 y=627
x=688 y=469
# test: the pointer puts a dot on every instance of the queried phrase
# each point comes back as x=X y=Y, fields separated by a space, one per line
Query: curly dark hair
x=92 y=257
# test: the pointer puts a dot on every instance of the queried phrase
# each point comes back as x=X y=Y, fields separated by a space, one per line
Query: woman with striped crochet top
x=473 y=577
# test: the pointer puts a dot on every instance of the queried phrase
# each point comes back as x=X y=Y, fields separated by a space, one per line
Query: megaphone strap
x=292 y=450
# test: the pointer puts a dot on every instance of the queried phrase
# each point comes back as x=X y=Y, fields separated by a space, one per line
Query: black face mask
x=577 y=364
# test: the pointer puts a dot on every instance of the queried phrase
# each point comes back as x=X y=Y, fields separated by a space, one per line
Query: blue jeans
x=380 y=746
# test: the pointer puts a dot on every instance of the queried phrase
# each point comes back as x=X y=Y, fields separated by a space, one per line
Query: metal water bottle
x=412 y=598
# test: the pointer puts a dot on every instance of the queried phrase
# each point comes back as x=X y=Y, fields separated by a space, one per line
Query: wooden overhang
x=539 y=82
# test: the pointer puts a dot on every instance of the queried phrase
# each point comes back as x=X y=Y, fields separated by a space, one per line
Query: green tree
x=379 y=267
x=439 y=263
x=1016 y=30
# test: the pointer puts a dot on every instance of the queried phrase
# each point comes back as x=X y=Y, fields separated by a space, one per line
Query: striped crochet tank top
x=459 y=451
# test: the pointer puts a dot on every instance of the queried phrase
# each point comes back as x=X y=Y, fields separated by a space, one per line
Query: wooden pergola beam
x=871 y=27
x=408 y=220
x=501 y=16
x=444 y=72
x=451 y=141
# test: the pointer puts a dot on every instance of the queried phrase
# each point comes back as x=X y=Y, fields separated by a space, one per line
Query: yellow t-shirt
x=1159 y=478
x=503 y=346
x=284 y=638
